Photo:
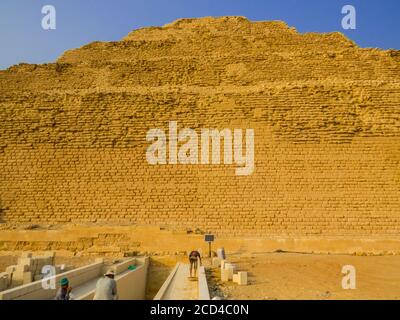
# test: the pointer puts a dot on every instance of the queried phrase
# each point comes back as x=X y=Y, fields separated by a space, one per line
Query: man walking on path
x=193 y=256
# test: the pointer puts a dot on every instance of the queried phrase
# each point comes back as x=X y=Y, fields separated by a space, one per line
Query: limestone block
x=229 y=267
x=47 y=261
x=18 y=277
x=10 y=269
x=25 y=261
x=225 y=273
x=50 y=254
x=34 y=271
x=223 y=264
x=22 y=268
x=27 y=277
x=4 y=281
x=3 y=285
x=35 y=263
x=241 y=278
x=26 y=255
x=18 y=274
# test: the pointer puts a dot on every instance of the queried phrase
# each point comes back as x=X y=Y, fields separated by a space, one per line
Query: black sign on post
x=209 y=238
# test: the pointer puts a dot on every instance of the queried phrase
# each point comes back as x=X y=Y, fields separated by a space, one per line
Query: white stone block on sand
x=225 y=275
x=223 y=264
x=27 y=277
x=242 y=278
x=229 y=268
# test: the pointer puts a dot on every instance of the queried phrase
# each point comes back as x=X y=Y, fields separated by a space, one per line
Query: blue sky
x=22 y=38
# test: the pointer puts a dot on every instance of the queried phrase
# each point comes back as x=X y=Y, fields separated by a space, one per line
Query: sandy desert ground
x=310 y=276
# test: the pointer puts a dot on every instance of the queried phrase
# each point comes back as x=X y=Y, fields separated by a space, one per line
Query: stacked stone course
x=326 y=116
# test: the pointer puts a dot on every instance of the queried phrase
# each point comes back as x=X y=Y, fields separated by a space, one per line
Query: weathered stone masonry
x=326 y=116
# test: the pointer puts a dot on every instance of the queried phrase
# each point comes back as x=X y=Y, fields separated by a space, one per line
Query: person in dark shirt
x=64 y=292
x=193 y=257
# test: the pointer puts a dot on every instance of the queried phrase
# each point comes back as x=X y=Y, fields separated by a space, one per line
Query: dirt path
x=181 y=287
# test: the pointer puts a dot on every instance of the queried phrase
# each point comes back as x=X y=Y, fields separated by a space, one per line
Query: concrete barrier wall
x=161 y=293
x=123 y=266
x=35 y=291
x=204 y=294
x=202 y=290
x=131 y=284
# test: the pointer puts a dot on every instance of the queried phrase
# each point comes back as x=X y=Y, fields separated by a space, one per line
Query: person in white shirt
x=106 y=287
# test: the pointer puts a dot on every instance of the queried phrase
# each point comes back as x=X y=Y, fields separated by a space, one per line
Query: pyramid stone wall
x=326 y=117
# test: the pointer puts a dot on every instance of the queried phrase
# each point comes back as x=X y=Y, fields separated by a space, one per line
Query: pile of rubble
x=29 y=269
x=228 y=270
